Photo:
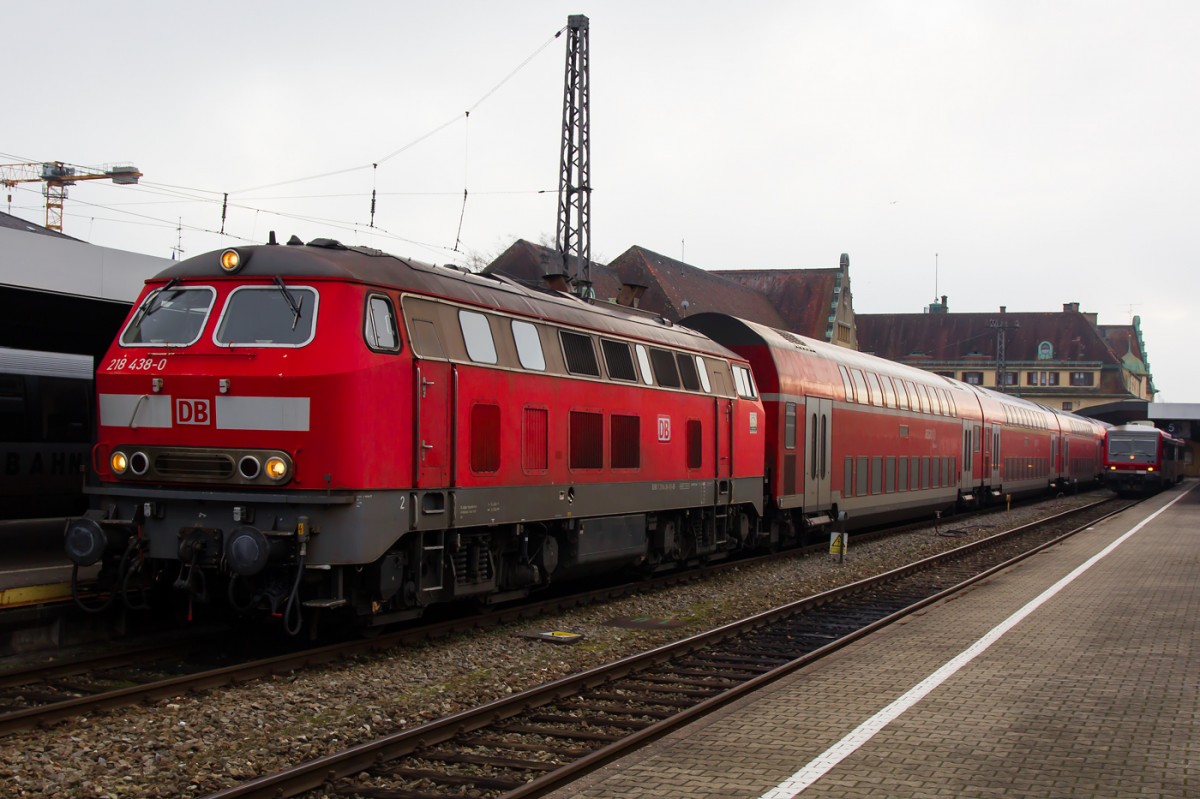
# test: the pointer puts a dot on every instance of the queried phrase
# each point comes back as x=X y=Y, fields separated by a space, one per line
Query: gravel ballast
x=192 y=745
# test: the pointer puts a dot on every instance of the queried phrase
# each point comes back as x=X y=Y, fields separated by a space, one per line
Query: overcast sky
x=1046 y=152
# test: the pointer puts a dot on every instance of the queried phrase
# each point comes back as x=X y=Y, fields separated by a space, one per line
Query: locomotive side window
x=618 y=360
x=745 y=383
x=625 y=441
x=477 y=335
x=579 y=354
x=529 y=346
x=644 y=363
x=485 y=438
x=665 y=370
x=700 y=370
x=789 y=426
x=171 y=316
x=380 y=327
x=687 y=372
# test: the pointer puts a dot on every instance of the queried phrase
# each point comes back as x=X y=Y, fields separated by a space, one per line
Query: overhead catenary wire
x=178 y=193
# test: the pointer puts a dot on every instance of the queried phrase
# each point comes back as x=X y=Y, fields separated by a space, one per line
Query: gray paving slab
x=1096 y=693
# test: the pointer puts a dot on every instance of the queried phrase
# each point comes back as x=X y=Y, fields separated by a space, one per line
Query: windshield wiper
x=290 y=301
x=152 y=304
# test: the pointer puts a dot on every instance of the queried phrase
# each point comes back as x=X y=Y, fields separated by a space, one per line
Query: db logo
x=664 y=428
x=192 y=412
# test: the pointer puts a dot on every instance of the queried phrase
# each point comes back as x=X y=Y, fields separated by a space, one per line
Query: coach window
x=268 y=316
x=477 y=334
x=380 y=328
x=860 y=387
x=644 y=364
x=687 y=372
x=703 y=372
x=889 y=391
x=923 y=397
x=579 y=354
x=876 y=389
x=529 y=346
x=174 y=317
x=901 y=395
x=846 y=383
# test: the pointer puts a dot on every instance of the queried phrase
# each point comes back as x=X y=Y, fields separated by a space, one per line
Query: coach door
x=818 y=436
x=993 y=469
x=433 y=442
x=967 y=479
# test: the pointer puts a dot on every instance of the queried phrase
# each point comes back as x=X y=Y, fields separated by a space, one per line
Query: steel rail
x=328 y=769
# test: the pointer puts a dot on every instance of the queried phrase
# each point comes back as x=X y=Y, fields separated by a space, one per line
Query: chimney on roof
x=1003 y=309
x=630 y=294
x=556 y=282
x=936 y=307
x=1070 y=307
x=844 y=263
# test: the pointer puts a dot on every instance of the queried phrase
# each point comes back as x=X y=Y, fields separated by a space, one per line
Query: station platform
x=1075 y=673
x=35 y=567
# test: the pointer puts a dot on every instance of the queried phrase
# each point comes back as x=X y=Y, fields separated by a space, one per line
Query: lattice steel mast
x=573 y=234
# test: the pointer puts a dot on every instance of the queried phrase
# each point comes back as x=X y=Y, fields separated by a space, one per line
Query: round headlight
x=118 y=462
x=276 y=468
x=231 y=261
x=139 y=463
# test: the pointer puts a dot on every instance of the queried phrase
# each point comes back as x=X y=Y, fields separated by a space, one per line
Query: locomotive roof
x=330 y=259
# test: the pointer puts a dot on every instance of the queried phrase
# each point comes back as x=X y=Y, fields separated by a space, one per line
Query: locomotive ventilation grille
x=194 y=466
x=246 y=467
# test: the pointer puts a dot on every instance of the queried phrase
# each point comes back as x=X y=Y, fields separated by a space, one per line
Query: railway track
x=43 y=693
x=541 y=739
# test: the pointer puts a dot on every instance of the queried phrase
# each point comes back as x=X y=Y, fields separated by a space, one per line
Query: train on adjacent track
x=46 y=407
x=1139 y=459
x=298 y=430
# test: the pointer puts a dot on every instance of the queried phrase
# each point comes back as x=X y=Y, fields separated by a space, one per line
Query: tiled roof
x=675 y=289
x=803 y=297
x=527 y=263
x=962 y=336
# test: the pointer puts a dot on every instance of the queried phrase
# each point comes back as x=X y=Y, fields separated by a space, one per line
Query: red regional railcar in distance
x=1139 y=459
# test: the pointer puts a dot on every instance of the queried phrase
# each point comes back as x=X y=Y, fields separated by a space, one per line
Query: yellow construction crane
x=57 y=176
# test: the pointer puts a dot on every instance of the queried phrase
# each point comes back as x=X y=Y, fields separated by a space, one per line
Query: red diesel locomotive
x=303 y=428
x=1141 y=459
